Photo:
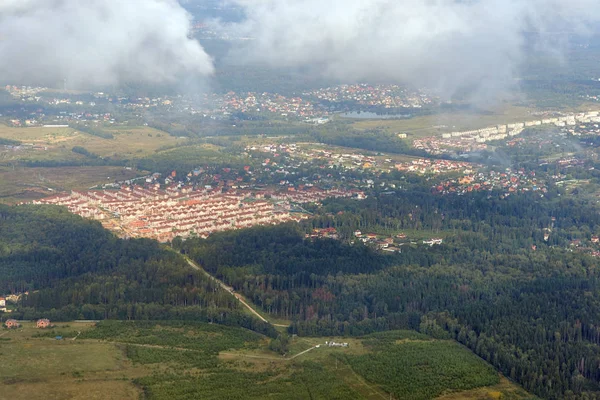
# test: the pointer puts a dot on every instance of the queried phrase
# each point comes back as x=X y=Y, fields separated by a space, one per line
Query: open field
x=505 y=390
x=56 y=143
x=173 y=360
x=43 y=368
x=21 y=184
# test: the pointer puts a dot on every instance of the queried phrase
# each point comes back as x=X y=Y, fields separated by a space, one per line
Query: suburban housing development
x=152 y=212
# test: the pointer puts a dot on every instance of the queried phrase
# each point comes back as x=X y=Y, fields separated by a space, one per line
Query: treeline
x=90 y=130
x=84 y=152
x=374 y=140
x=9 y=142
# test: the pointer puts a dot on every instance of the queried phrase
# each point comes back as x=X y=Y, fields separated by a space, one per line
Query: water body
x=372 y=115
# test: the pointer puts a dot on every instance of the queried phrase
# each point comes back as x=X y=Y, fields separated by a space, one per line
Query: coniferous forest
x=74 y=269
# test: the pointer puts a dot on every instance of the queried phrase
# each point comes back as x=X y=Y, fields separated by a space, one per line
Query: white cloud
x=446 y=44
x=97 y=42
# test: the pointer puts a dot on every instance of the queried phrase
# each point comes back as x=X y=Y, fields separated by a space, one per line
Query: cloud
x=449 y=45
x=97 y=42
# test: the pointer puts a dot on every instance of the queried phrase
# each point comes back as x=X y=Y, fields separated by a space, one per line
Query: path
x=302 y=352
x=230 y=290
x=157 y=346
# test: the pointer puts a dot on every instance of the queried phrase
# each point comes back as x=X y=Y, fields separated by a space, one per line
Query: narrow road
x=157 y=346
x=252 y=356
x=302 y=352
x=229 y=289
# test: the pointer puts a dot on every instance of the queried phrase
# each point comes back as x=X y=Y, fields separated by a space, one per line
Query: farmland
x=56 y=143
x=22 y=183
x=45 y=162
x=173 y=359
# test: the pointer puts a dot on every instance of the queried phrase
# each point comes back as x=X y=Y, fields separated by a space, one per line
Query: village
x=507 y=182
x=385 y=96
x=315 y=106
x=354 y=160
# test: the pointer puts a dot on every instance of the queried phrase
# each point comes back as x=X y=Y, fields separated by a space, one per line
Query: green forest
x=74 y=269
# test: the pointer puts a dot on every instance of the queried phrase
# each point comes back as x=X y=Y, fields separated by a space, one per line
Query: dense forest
x=74 y=269
x=526 y=305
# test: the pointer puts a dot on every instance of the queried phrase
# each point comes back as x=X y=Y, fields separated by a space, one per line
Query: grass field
x=129 y=142
x=45 y=368
x=22 y=184
x=189 y=360
x=55 y=145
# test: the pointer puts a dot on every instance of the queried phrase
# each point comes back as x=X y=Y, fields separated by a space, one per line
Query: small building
x=334 y=344
x=432 y=242
x=12 y=324
x=2 y=302
x=43 y=323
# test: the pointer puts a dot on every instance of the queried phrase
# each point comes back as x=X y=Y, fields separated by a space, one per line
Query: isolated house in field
x=12 y=324
x=43 y=323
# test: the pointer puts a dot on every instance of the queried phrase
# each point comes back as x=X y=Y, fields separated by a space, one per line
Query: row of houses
x=40 y=324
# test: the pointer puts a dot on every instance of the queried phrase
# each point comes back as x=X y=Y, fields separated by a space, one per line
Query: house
x=43 y=323
x=2 y=302
x=12 y=324
x=432 y=242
